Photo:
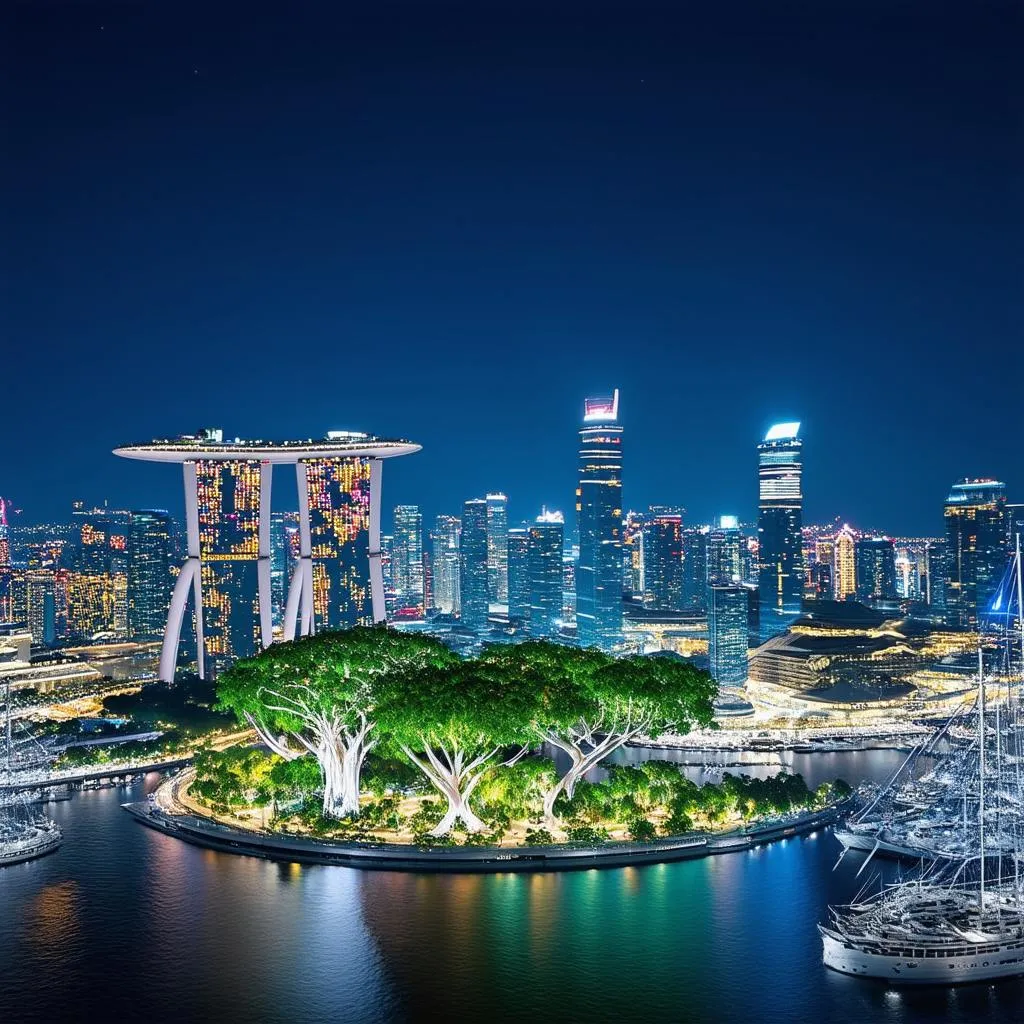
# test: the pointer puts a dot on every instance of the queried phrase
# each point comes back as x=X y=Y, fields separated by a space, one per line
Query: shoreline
x=476 y=859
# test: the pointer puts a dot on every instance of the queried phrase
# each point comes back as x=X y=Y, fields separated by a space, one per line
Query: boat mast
x=981 y=777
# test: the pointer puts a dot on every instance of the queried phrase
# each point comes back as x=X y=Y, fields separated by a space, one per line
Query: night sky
x=451 y=224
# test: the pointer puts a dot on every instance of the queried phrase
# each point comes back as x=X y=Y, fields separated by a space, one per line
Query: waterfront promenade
x=170 y=814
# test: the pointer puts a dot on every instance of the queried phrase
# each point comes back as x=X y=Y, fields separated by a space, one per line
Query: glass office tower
x=546 y=577
x=519 y=577
x=875 y=572
x=599 y=574
x=779 y=526
x=976 y=548
x=473 y=565
x=728 y=617
x=663 y=560
x=149 y=574
x=497 y=548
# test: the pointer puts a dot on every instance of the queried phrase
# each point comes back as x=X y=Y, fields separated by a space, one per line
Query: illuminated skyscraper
x=875 y=559
x=663 y=560
x=473 y=565
x=780 y=526
x=149 y=574
x=445 y=545
x=338 y=507
x=519 y=577
x=976 y=548
x=725 y=551
x=407 y=561
x=695 y=568
x=41 y=606
x=337 y=579
x=497 y=548
x=844 y=573
x=633 y=553
x=936 y=574
x=545 y=569
x=728 y=616
x=97 y=577
x=599 y=515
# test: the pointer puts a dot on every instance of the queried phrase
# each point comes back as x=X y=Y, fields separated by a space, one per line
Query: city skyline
x=779 y=257
x=520 y=510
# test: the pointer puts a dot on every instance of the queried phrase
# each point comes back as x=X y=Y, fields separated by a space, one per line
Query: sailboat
x=963 y=919
x=24 y=834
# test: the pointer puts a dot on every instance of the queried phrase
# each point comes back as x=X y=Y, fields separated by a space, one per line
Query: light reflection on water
x=126 y=924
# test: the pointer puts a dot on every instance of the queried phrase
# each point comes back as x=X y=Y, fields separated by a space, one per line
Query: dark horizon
x=453 y=225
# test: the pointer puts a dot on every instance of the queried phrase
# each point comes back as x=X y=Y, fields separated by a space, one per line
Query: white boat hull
x=1006 y=962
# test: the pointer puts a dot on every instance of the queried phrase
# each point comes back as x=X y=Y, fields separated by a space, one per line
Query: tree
x=317 y=694
x=592 y=704
x=452 y=722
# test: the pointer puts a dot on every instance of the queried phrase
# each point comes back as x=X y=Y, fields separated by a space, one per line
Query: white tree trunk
x=458 y=809
x=332 y=767
x=581 y=763
x=455 y=780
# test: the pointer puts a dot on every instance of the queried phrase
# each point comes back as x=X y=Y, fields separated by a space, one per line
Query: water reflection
x=127 y=923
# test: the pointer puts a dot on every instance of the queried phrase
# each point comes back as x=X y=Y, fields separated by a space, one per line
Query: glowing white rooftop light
x=729 y=522
x=550 y=517
x=345 y=435
x=783 y=431
x=601 y=410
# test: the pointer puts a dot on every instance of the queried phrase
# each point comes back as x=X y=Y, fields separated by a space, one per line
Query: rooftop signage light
x=601 y=410
x=783 y=431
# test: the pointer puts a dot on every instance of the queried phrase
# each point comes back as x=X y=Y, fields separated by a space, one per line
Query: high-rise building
x=473 y=565
x=337 y=509
x=387 y=565
x=407 y=561
x=97 y=576
x=875 y=560
x=633 y=553
x=936 y=575
x=445 y=547
x=780 y=526
x=976 y=548
x=728 y=619
x=149 y=574
x=663 y=560
x=725 y=551
x=338 y=576
x=545 y=567
x=519 y=577
x=6 y=569
x=599 y=516
x=844 y=572
x=497 y=548
x=695 y=568
x=41 y=606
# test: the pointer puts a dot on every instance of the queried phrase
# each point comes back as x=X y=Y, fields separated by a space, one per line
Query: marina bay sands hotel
x=337 y=580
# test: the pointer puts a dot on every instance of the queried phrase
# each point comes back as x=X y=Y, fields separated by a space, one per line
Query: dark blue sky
x=452 y=223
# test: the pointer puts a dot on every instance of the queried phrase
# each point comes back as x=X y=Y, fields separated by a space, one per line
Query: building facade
x=407 y=562
x=875 y=561
x=976 y=548
x=473 y=588
x=780 y=524
x=663 y=560
x=544 y=559
x=497 y=548
x=149 y=574
x=445 y=548
x=728 y=627
x=599 y=574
